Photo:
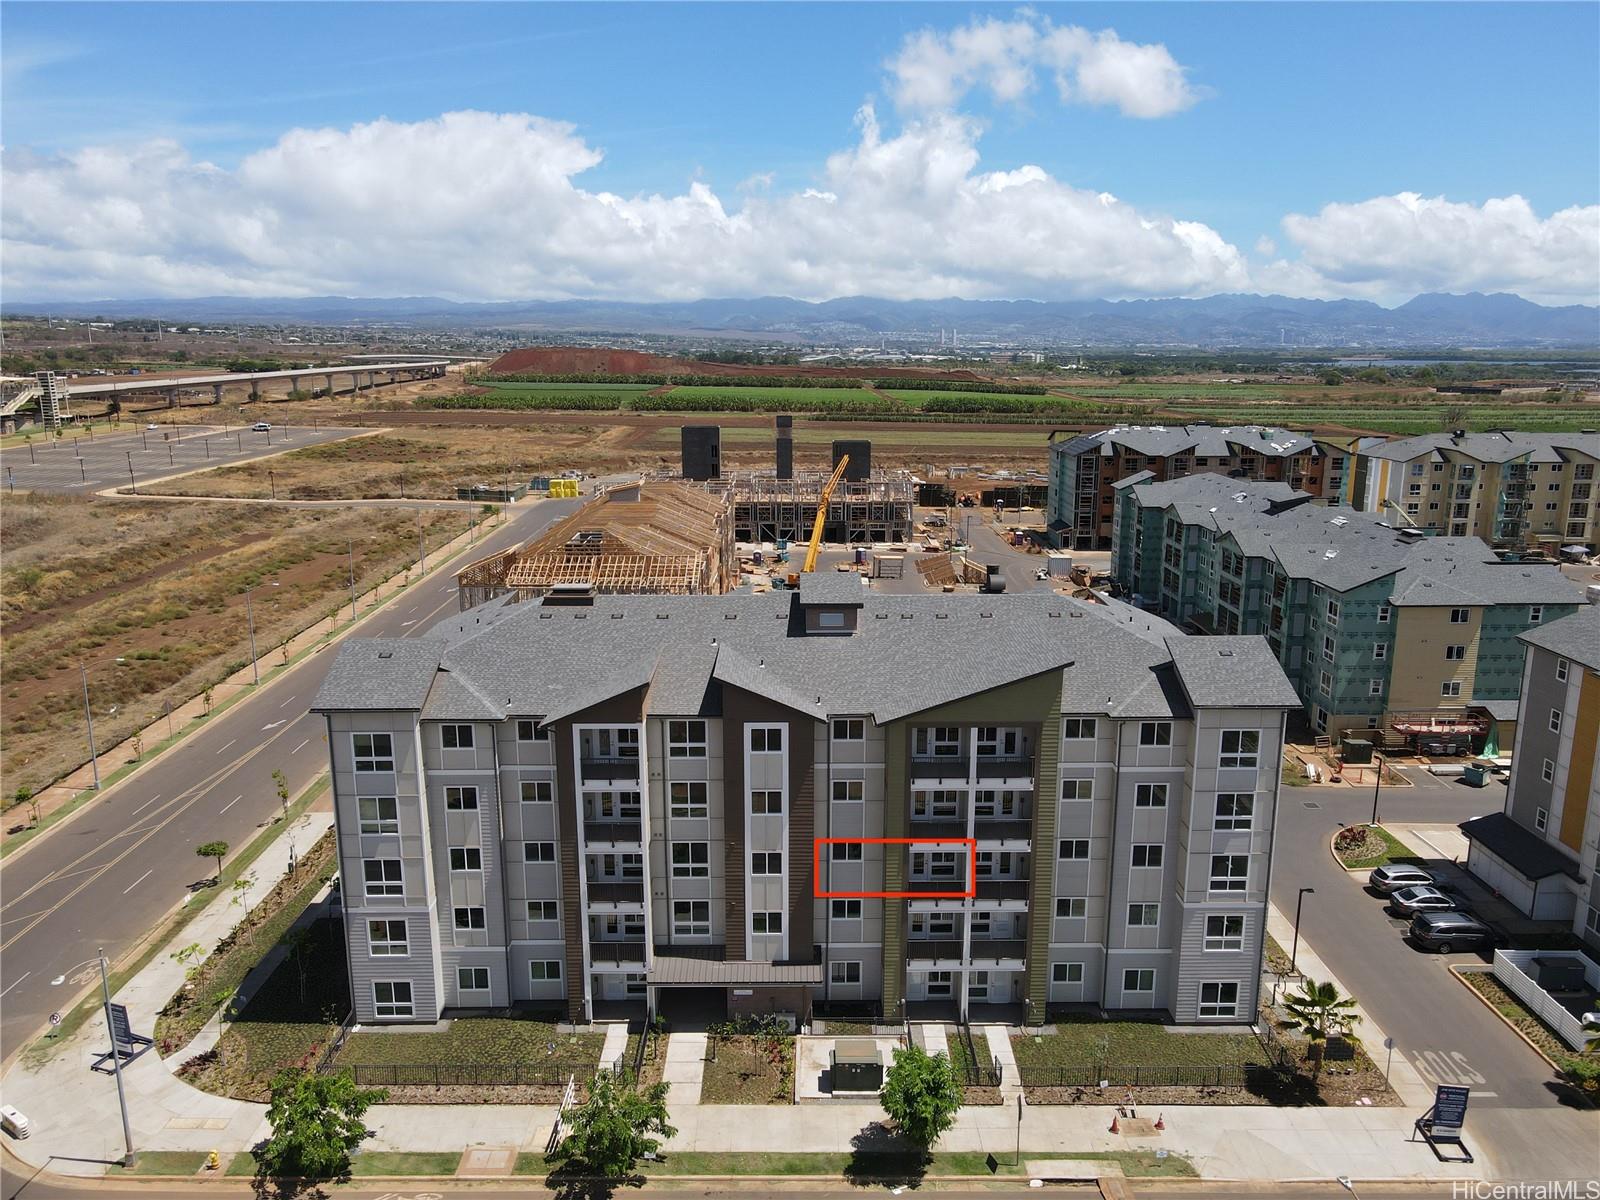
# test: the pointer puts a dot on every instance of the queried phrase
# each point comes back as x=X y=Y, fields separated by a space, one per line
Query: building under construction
x=781 y=504
x=646 y=537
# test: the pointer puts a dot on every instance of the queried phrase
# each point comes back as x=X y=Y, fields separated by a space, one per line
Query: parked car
x=1408 y=902
x=261 y=427
x=1447 y=931
x=1392 y=878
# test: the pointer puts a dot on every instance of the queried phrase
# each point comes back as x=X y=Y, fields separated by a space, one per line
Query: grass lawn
x=476 y=1041
x=1132 y=1043
x=971 y=1093
x=1526 y=1021
x=163 y=1162
x=748 y=1069
x=1135 y=1164
x=388 y=1162
x=1379 y=848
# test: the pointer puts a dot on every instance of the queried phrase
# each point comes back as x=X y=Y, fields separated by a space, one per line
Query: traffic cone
x=1114 y=1127
x=1161 y=1121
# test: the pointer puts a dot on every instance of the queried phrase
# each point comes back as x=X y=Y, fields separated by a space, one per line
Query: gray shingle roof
x=832 y=587
x=1576 y=636
x=1235 y=672
x=1205 y=441
x=380 y=673
x=1497 y=447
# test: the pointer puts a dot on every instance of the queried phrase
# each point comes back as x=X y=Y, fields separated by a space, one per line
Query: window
x=691 y=860
x=939 y=741
x=845 y=972
x=455 y=737
x=936 y=864
x=1073 y=848
x=766 y=922
x=1144 y=915
x=539 y=972
x=1230 y=872
x=460 y=799
x=1548 y=771
x=383 y=877
x=1066 y=972
x=1328 y=648
x=688 y=799
x=1455 y=653
x=469 y=917
x=387 y=938
x=766 y=862
x=1147 y=854
x=1072 y=907
x=532 y=731
x=766 y=741
x=938 y=983
x=1225 y=932
x=391 y=999
x=1155 y=733
x=1450 y=687
x=1139 y=979
x=768 y=803
x=691 y=918
x=1380 y=651
x=1219 y=999
x=543 y=910
x=846 y=790
x=1535 y=614
x=1592 y=921
x=539 y=852
x=686 y=739
x=1078 y=729
x=1460 y=616
x=1240 y=748
x=848 y=729
x=466 y=858
x=1541 y=818
x=1150 y=795
x=846 y=910
x=379 y=814
x=372 y=751
x=846 y=852
x=1235 y=810
x=1562 y=667
x=1325 y=683
x=1374 y=688
x=1333 y=612
x=1077 y=789
x=472 y=979
x=538 y=791
x=1555 y=720
x=1383 y=614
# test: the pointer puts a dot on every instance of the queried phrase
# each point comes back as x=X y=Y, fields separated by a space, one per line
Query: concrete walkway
x=931 y=1037
x=684 y=1069
x=616 y=1043
x=999 y=1039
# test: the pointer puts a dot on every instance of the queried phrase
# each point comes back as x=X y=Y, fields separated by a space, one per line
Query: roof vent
x=616 y=616
x=941 y=616
x=385 y=653
x=661 y=616
x=1075 y=614
x=905 y=616
x=1224 y=653
x=730 y=616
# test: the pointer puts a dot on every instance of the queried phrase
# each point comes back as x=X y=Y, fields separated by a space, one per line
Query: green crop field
x=1292 y=392
x=1403 y=419
x=541 y=389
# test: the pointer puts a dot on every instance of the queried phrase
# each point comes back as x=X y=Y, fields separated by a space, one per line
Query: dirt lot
x=159 y=585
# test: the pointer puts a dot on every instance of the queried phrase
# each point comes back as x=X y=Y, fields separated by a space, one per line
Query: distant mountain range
x=1500 y=320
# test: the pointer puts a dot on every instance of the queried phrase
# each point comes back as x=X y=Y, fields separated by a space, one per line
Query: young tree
x=206 y=697
x=921 y=1095
x=189 y=958
x=25 y=796
x=615 y=1127
x=316 y=1123
x=216 y=850
x=1320 y=1011
x=282 y=785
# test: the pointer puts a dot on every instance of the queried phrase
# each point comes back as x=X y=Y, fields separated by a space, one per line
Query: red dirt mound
x=595 y=360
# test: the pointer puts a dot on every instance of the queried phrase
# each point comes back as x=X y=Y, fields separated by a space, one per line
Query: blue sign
x=1450 y=1108
x=121 y=1031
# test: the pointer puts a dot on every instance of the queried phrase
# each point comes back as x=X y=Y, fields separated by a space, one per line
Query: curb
x=1460 y=972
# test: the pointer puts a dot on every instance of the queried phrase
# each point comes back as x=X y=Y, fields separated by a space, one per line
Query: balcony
x=934 y=949
x=940 y=826
x=611 y=954
x=612 y=831
x=609 y=768
x=954 y=887
x=1000 y=767
x=947 y=766
x=1003 y=829
x=616 y=891
x=1002 y=889
x=998 y=949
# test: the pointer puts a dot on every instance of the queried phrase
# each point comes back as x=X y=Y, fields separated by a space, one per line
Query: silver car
x=1392 y=878
x=1408 y=902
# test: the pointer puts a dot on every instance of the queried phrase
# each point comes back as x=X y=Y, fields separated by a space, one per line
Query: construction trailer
x=660 y=537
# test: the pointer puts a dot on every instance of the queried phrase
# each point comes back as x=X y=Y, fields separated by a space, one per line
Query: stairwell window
x=1147 y=855
x=1155 y=733
x=1230 y=872
x=845 y=972
x=383 y=877
x=1138 y=981
x=543 y=910
x=1073 y=848
x=766 y=803
x=538 y=791
x=538 y=852
x=848 y=790
x=455 y=737
x=1555 y=720
x=1380 y=651
x=1562 y=668
x=372 y=751
x=1145 y=916
x=1240 y=748
x=1548 y=771
x=1541 y=819
x=379 y=814
x=532 y=731
x=686 y=739
x=466 y=858
x=688 y=799
x=846 y=910
x=691 y=918
x=1383 y=614
x=1077 y=789
x=469 y=917
x=691 y=860
x=544 y=971
x=766 y=740
x=1460 y=616
x=1225 y=932
x=1450 y=688
x=1150 y=795
x=845 y=852
x=1235 y=810
x=461 y=799
x=1079 y=729
x=1456 y=653
x=766 y=922
x=849 y=729
x=472 y=979
x=766 y=862
x=1072 y=907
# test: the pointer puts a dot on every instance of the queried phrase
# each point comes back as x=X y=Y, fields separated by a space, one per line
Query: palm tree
x=1320 y=1011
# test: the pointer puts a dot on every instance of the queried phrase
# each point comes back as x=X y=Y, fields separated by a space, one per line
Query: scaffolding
x=768 y=509
x=647 y=537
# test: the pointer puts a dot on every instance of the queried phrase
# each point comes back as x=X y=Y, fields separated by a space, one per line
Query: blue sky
x=1289 y=107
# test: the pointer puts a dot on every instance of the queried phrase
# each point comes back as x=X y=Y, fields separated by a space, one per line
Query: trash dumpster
x=1475 y=775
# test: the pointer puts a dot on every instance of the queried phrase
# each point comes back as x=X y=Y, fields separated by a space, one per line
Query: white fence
x=1515 y=970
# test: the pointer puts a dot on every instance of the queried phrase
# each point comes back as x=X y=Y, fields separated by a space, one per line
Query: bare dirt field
x=149 y=597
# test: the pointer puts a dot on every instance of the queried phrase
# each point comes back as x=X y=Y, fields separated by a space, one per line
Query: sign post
x=1442 y=1124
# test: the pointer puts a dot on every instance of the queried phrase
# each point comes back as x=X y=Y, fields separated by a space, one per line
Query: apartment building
x=886 y=804
x=1542 y=852
x=1085 y=468
x=1510 y=489
x=1374 y=626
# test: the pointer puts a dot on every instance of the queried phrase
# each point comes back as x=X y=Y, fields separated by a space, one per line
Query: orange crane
x=815 y=545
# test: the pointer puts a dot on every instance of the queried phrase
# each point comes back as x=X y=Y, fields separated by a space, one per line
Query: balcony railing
x=940 y=826
x=937 y=949
x=612 y=831
x=616 y=891
x=953 y=886
x=996 y=949
x=951 y=766
x=1002 y=829
x=615 y=953
x=608 y=767
x=1005 y=766
x=1002 y=889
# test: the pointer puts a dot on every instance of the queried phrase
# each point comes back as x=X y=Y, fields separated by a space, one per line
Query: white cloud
x=934 y=71
x=1420 y=243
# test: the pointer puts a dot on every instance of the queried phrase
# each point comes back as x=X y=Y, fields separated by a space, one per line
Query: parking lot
x=83 y=464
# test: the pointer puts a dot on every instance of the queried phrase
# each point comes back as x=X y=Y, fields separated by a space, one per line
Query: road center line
x=137 y=881
x=229 y=805
x=16 y=981
x=302 y=745
x=284 y=701
x=145 y=805
x=220 y=749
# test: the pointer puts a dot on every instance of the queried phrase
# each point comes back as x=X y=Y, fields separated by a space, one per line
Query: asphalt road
x=94 y=464
x=1449 y=1035
x=108 y=874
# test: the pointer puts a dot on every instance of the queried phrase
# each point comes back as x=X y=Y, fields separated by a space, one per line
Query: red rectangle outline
x=972 y=868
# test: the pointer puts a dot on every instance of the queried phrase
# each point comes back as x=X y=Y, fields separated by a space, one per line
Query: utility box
x=1357 y=751
x=857 y=1066
x=1059 y=564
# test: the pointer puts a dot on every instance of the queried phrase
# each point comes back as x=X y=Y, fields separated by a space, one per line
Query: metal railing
x=550 y=1074
x=977 y=1074
x=1116 y=1075
x=325 y=1063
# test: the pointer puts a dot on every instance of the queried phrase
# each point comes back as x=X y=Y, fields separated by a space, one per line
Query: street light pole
x=94 y=759
x=1377 y=786
x=1299 y=900
x=250 y=620
x=116 y=1059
